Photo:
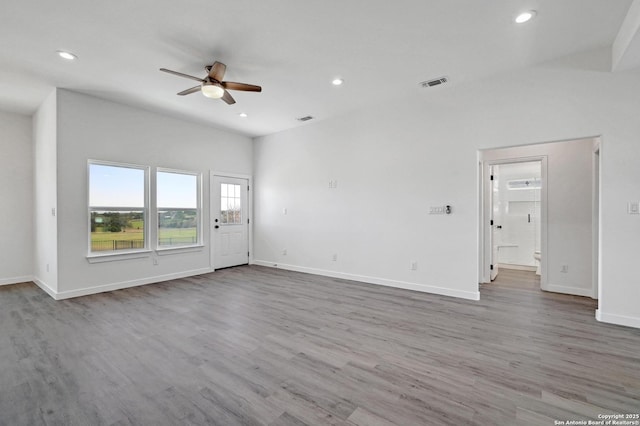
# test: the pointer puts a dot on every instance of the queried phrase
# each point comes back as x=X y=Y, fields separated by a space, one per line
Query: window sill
x=113 y=257
x=180 y=249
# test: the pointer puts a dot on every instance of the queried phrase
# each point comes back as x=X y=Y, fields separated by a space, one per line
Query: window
x=230 y=206
x=178 y=201
x=117 y=207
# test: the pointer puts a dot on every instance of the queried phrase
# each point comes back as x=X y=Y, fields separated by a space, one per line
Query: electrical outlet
x=564 y=269
x=334 y=257
x=633 y=207
x=413 y=265
x=155 y=261
x=284 y=252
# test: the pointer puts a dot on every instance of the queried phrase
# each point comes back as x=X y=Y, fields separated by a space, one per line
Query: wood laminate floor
x=260 y=346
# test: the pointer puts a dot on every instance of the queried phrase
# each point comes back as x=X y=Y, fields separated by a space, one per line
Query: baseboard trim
x=517 y=267
x=469 y=295
x=587 y=292
x=45 y=287
x=126 y=284
x=16 y=280
x=617 y=319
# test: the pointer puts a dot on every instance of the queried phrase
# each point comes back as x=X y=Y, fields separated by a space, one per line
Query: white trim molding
x=587 y=292
x=118 y=286
x=45 y=287
x=469 y=295
x=16 y=280
x=617 y=319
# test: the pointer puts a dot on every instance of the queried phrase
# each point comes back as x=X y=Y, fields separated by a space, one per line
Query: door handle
x=217 y=226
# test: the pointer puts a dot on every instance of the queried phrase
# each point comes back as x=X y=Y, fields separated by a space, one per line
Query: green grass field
x=104 y=241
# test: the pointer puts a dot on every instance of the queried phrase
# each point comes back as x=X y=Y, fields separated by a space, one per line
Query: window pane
x=230 y=206
x=115 y=186
x=178 y=209
x=177 y=190
x=177 y=227
x=117 y=230
x=117 y=207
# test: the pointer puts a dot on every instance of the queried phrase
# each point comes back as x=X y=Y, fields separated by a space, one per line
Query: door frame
x=213 y=205
x=485 y=214
x=595 y=220
x=491 y=235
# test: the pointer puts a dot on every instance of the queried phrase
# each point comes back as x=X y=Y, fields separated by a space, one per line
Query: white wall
x=16 y=193
x=569 y=211
x=45 y=223
x=91 y=128
x=420 y=152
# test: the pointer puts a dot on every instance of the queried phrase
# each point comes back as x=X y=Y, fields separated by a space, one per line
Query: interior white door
x=493 y=238
x=230 y=217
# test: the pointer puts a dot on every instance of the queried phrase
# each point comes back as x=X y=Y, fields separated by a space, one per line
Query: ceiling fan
x=212 y=85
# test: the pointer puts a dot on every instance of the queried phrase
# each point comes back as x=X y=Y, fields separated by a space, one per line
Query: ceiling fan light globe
x=212 y=90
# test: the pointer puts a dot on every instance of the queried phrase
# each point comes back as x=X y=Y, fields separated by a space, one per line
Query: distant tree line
x=113 y=221
x=178 y=219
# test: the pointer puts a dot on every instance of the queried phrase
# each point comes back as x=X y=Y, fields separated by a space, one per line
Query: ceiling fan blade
x=228 y=98
x=179 y=74
x=217 y=71
x=230 y=85
x=190 y=91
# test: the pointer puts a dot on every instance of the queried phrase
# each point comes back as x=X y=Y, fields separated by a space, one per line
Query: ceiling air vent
x=435 y=82
x=305 y=118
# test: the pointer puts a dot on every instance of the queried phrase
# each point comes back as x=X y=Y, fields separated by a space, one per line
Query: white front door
x=230 y=221
x=493 y=237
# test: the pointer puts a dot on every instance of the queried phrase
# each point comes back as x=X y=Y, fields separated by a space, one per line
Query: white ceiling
x=292 y=48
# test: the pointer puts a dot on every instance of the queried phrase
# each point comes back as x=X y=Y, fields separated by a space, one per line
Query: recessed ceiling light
x=66 y=55
x=525 y=16
x=337 y=81
x=243 y=114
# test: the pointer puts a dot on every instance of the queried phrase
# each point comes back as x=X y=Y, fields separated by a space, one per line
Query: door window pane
x=230 y=205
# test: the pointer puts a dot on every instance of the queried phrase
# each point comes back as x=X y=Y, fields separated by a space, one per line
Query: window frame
x=157 y=208
x=145 y=212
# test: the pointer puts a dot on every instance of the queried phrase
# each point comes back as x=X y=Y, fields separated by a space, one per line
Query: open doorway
x=516 y=216
x=568 y=215
x=514 y=194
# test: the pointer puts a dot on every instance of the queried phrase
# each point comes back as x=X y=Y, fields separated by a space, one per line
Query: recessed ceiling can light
x=66 y=55
x=525 y=16
x=243 y=114
x=337 y=81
